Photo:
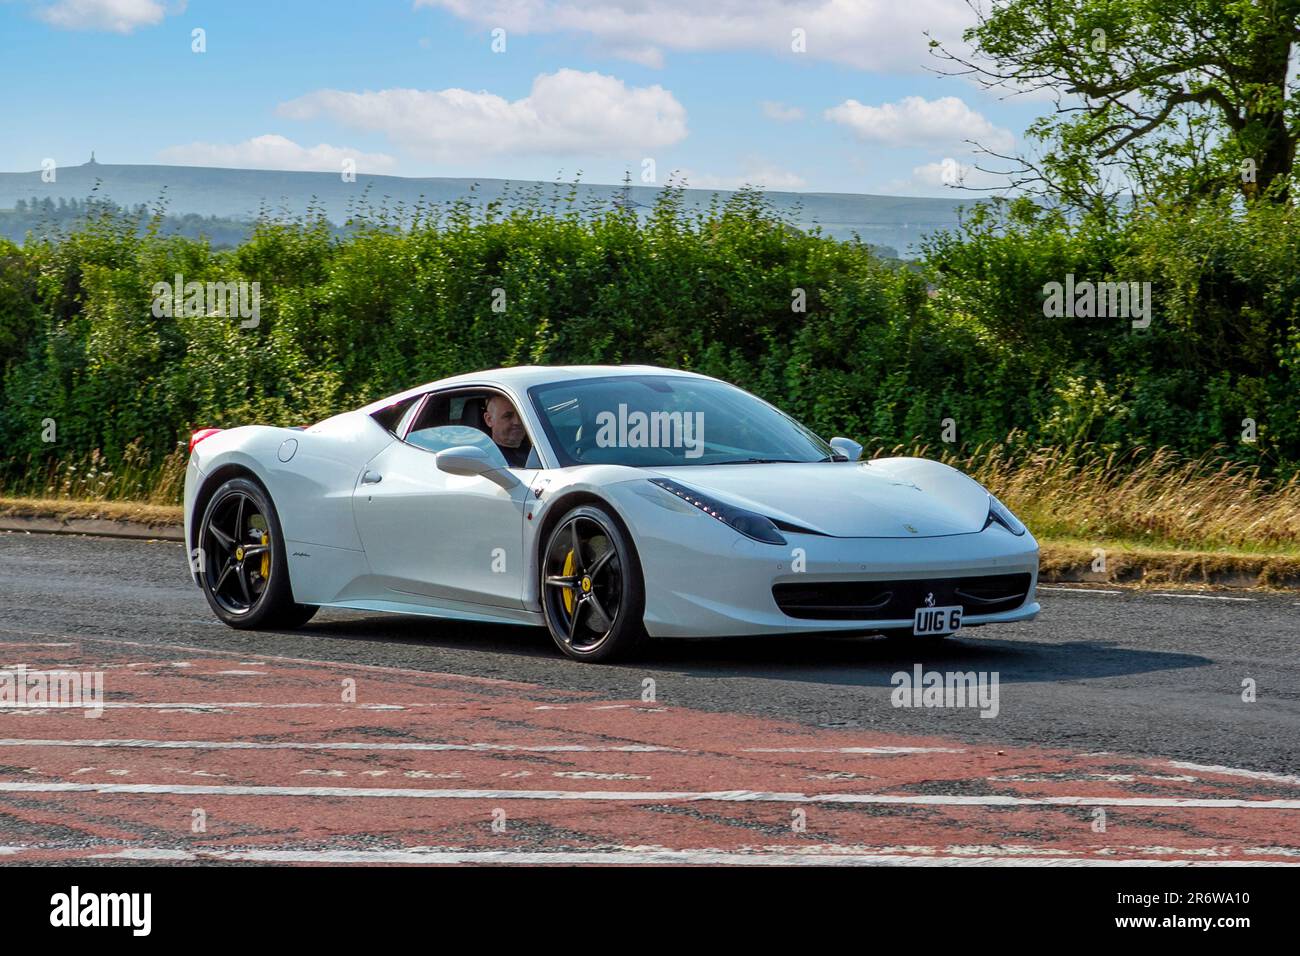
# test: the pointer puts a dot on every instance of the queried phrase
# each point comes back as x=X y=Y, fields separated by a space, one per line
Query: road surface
x=1122 y=729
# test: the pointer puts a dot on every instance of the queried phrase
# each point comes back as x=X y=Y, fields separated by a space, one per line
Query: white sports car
x=609 y=503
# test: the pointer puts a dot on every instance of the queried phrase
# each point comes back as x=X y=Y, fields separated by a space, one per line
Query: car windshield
x=666 y=420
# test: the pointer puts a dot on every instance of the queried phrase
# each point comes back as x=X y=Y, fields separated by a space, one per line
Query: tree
x=1176 y=99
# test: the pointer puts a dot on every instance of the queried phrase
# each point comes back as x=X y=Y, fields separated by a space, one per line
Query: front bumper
x=714 y=582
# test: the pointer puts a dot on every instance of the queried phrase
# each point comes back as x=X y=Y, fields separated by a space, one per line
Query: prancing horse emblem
x=929 y=599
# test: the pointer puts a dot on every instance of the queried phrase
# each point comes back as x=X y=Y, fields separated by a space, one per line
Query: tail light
x=201 y=434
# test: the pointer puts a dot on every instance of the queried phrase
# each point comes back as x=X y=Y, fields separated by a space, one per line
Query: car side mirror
x=846 y=447
x=468 y=460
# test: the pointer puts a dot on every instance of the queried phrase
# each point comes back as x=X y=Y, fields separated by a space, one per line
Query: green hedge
x=1223 y=343
x=881 y=353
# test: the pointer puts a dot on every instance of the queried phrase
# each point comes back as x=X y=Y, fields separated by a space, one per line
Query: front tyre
x=593 y=595
x=242 y=564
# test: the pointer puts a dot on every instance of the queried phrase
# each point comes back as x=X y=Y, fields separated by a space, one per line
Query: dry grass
x=64 y=509
x=1128 y=563
x=138 y=479
x=1062 y=560
x=1155 y=498
x=1162 y=520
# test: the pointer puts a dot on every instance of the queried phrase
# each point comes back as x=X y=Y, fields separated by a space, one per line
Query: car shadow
x=849 y=660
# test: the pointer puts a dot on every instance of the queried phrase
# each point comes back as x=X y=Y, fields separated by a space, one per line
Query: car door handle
x=371 y=478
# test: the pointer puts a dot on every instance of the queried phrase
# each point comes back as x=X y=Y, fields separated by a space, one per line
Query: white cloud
x=276 y=152
x=117 y=16
x=948 y=175
x=916 y=121
x=566 y=112
x=946 y=172
x=780 y=112
x=882 y=35
x=650 y=56
x=763 y=177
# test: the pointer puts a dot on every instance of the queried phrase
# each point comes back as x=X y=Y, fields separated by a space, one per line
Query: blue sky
x=715 y=90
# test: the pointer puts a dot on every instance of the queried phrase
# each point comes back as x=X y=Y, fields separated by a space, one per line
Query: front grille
x=897 y=600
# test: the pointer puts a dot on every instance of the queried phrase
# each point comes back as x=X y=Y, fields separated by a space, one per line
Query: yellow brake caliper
x=266 y=558
x=568 y=572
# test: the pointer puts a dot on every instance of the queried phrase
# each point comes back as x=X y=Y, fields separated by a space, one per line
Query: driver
x=507 y=430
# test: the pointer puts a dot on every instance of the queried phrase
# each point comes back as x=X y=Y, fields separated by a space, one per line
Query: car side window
x=463 y=410
x=430 y=415
x=438 y=438
x=390 y=416
x=448 y=420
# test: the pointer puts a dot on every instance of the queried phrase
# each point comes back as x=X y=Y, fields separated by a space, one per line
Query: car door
x=434 y=537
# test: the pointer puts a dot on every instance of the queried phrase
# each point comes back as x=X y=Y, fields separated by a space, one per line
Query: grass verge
x=1062 y=559
x=64 y=509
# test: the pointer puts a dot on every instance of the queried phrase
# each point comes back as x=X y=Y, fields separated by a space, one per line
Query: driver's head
x=503 y=421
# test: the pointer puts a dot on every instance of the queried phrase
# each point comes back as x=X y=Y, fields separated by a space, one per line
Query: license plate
x=937 y=620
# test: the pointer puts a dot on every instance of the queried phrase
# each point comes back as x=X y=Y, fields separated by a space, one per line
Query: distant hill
x=33 y=218
x=241 y=194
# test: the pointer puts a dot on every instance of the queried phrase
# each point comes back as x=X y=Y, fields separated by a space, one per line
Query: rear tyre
x=242 y=565
x=593 y=593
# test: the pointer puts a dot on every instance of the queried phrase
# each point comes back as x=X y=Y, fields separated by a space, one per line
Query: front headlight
x=1002 y=515
x=748 y=523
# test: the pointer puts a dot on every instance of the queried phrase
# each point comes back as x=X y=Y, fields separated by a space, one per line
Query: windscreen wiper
x=762 y=461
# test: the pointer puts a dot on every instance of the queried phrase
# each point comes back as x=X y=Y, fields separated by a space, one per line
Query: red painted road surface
x=203 y=756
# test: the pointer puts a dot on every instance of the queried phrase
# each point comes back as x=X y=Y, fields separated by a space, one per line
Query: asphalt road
x=1130 y=672
x=1101 y=682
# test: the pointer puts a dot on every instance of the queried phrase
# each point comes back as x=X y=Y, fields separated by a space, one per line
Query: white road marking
x=330 y=745
x=1048 y=587
x=1170 y=594
x=430 y=775
x=647 y=796
x=1275 y=850
x=651 y=856
x=597 y=775
x=1235 y=772
x=263 y=658
x=1056 y=777
x=838 y=775
x=914 y=854
x=248 y=704
x=853 y=750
